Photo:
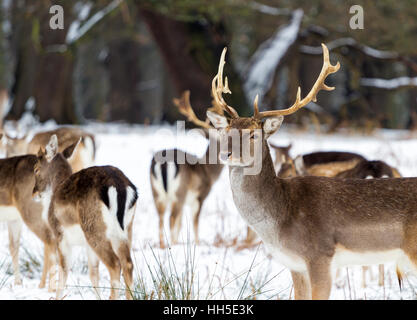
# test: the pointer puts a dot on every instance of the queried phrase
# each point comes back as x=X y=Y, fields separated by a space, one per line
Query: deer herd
x=314 y=213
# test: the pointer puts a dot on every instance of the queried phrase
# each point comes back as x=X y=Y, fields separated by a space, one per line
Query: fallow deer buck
x=17 y=181
x=313 y=225
x=93 y=207
x=85 y=152
x=188 y=182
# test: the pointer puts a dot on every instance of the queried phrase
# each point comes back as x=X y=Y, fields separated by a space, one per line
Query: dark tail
x=121 y=199
x=164 y=170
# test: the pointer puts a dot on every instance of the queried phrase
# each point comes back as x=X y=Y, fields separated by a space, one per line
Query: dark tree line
x=131 y=63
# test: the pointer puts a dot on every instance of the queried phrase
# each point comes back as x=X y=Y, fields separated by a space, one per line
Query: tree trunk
x=42 y=72
x=191 y=52
x=124 y=75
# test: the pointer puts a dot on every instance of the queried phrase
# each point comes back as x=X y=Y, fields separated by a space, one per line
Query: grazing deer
x=370 y=170
x=93 y=207
x=322 y=163
x=313 y=225
x=282 y=154
x=85 y=152
x=17 y=181
x=14 y=146
x=343 y=165
x=177 y=183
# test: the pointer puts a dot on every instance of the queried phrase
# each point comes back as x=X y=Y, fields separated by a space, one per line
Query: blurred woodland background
x=125 y=60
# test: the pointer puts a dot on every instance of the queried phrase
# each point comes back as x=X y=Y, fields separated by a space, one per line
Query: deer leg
x=175 y=219
x=196 y=218
x=46 y=264
x=198 y=204
x=381 y=271
x=160 y=207
x=123 y=253
x=93 y=270
x=301 y=284
x=15 y=228
x=51 y=266
x=64 y=257
x=104 y=250
x=320 y=278
x=250 y=236
x=364 y=270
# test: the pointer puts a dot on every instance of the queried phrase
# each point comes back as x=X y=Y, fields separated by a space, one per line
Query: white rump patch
x=173 y=182
x=113 y=230
x=129 y=213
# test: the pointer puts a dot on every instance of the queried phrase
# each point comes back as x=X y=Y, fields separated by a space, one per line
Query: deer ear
x=271 y=125
x=69 y=151
x=299 y=165
x=51 y=148
x=218 y=121
x=41 y=152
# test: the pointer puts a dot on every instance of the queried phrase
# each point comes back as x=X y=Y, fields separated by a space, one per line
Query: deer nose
x=224 y=156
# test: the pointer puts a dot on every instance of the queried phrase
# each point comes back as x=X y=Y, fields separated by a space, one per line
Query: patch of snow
x=219 y=268
x=389 y=84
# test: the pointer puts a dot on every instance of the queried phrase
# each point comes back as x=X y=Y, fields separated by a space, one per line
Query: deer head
x=50 y=166
x=261 y=125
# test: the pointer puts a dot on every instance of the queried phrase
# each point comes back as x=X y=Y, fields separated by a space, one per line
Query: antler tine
x=217 y=88
x=184 y=107
x=319 y=85
x=255 y=107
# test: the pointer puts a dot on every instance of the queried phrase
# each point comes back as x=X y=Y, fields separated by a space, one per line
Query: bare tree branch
x=263 y=8
x=389 y=84
x=350 y=42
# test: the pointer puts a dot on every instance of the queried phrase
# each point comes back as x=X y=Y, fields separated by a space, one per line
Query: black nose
x=225 y=155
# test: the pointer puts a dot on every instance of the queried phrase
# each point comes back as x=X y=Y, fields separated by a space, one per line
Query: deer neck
x=259 y=198
x=60 y=171
x=211 y=157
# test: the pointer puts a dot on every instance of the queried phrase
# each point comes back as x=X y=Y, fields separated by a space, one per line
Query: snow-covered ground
x=216 y=268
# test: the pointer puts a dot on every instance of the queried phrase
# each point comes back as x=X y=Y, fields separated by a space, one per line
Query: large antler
x=218 y=104
x=184 y=107
x=218 y=88
x=327 y=69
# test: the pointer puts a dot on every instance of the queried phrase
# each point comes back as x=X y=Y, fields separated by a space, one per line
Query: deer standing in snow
x=17 y=181
x=314 y=225
x=94 y=207
x=178 y=183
